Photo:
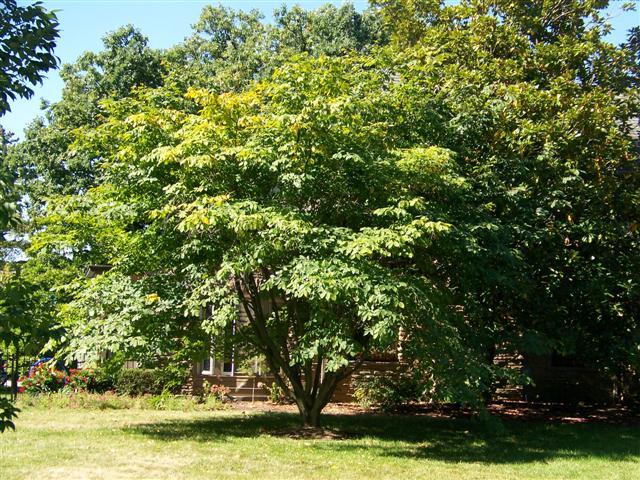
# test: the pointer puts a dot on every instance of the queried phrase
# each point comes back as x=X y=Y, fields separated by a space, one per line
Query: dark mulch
x=523 y=411
x=307 y=433
x=611 y=414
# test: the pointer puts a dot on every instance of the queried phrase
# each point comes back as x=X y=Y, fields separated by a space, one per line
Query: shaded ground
x=247 y=443
x=613 y=415
x=445 y=439
x=522 y=411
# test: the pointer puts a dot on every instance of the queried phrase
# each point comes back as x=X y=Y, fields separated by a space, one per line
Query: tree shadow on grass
x=443 y=439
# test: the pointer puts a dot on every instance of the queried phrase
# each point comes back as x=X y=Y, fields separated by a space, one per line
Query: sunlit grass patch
x=68 y=443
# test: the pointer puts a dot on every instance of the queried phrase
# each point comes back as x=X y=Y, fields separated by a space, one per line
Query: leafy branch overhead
x=27 y=40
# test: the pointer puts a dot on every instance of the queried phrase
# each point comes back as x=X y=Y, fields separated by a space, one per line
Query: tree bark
x=310 y=417
x=14 y=376
x=310 y=390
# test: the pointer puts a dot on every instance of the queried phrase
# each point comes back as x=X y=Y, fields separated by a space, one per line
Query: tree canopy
x=466 y=173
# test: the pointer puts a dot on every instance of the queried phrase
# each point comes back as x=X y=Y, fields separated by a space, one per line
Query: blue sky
x=166 y=22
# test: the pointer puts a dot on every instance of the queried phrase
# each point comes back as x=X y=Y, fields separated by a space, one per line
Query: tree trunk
x=310 y=390
x=14 y=377
x=310 y=416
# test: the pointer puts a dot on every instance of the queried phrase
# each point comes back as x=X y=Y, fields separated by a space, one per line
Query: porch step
x=514 y=362
x=249 y=398
x=508 y=394
x=248 y=394
x=239 y=381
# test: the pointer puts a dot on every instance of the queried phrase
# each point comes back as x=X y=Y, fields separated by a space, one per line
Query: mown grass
x=75 y=443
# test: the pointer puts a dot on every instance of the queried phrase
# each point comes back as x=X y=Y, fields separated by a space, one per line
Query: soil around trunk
x=520 y=411
x=308 y=433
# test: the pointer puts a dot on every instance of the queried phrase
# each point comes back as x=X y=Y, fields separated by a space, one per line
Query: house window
x=228 y=367
x=207 y=366
x=208 y=363
x=222 y=358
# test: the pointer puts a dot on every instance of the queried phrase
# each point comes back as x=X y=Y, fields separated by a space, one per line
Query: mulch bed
x=523 y=411
x=613 y=415
x=308 y=433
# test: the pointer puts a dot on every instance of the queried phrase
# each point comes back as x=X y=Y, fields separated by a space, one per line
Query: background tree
x=8 y=198
x=230 y=50
x=51 y=177
x=540 y=110
x=43 y=161
x=329 y=30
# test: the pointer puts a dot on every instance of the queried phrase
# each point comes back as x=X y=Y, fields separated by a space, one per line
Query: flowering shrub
x=46 y=378
x=214 y=392
x=219 y=392
x=80 y=380
x=43 y=378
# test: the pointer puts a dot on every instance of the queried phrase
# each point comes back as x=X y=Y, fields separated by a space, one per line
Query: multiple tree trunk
x=307 y=383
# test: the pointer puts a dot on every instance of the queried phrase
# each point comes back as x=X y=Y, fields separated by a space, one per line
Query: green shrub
x=172 y=377
x=139 y=381
x=103 y=381
x=386 y=392
x=275 y=394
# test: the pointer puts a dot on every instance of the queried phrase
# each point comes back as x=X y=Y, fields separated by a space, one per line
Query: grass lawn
x=68 y=443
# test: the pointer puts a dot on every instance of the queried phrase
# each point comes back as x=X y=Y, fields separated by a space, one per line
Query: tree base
x=309 y=433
